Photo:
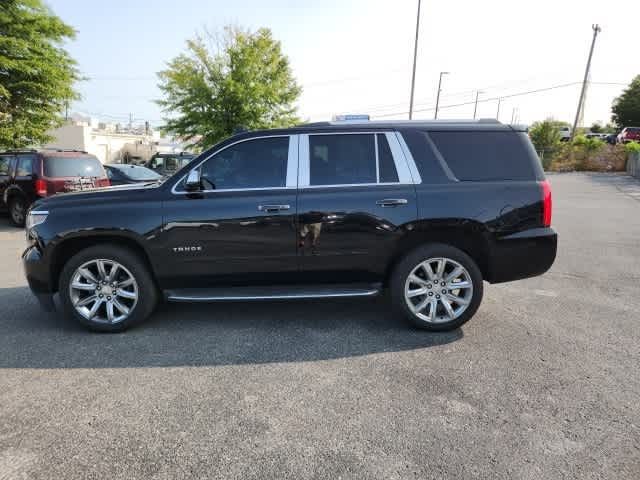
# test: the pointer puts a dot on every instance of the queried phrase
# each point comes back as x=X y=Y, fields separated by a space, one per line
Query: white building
x=108 y=143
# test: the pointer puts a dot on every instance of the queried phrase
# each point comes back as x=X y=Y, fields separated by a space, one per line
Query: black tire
x=17 y=210
x=406 y=265
x=147 y=291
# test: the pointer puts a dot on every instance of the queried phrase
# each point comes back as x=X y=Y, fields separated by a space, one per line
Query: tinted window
x=483 y=156
x=73 y=167
x=342 y=159
x=386 y=165
x=139 y=173
x=259 y=163
x=25 y=166
x=4 y=165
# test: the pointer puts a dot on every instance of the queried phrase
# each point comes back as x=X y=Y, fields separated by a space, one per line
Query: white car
x=565 y=134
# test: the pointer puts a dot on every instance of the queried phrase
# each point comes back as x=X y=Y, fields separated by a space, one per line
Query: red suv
x=629 y=134
x=26 y=175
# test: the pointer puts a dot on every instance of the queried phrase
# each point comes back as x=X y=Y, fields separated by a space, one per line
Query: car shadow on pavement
x=208 y=334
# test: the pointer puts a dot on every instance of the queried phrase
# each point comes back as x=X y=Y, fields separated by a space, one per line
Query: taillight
x=546 y=203
x=41 y=188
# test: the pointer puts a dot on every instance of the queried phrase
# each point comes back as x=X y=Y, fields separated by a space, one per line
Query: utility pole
x=415 y=57
x=498 y=111
x=596 y=29
x=438 y=95
x=475 y=107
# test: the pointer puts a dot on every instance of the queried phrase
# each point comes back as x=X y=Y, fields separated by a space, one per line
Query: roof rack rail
x=56 y=149
x=20 y=150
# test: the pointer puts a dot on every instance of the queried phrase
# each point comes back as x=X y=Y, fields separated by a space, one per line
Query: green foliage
x=596 y=128
x=632 y=147
x=545 y=137
x=243 y=81
x=626 y=108
x=589 y=144
x=36 y=73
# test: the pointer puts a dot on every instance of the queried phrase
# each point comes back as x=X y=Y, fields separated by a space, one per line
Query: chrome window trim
x=338 y=185
x=400 y=161
x=415 y=174
x=404 y=175
x=288 y=181
x=445 y=167
x=303 y=161
x=292 y=162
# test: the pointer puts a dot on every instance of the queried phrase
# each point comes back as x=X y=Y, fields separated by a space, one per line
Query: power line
x=518 y=94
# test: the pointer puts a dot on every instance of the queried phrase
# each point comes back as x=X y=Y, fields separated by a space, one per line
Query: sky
x=355 y=56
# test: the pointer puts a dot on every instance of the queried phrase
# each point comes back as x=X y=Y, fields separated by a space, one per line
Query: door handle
x=392 y=202
x=273 y=208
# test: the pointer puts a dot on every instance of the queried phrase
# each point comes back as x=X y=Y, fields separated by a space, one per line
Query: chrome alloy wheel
x=103 y=291
x=438 y=290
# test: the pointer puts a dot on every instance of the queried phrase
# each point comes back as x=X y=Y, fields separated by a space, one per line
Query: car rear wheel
x=18 y=211
x=437 y=287
x=107 y=288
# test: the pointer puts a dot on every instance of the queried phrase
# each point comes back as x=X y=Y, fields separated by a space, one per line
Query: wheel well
x=69 y=248
x=468 y=239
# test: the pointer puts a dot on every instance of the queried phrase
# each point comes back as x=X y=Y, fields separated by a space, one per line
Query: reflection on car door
x=356 y=194
x=241 y=228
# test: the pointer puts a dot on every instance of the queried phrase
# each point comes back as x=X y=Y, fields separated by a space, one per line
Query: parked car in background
x=122 y=173
x=611 y=138
x=565 y=134
x=629 y=134
x=426 y=210
x=166 y=164
x=26 y=175
x=600 y=136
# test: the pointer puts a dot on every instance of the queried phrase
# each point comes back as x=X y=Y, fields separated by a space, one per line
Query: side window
x=342 y=159
x=485 y=156
x=25 y=166
x=386 y=165
x=171 y=164
x=109 y=173
x=157 y=163
x=5 y=162
x=259 y=163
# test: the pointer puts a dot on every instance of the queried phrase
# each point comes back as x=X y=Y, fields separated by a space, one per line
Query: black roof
x=375 y=125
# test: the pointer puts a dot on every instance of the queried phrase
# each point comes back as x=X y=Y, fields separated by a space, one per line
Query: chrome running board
x=284 y=292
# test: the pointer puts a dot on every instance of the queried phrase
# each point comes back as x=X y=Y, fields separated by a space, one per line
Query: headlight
x=35 y=217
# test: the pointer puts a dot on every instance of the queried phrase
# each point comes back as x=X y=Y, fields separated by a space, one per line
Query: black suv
x=427 y=210
x=26 y=175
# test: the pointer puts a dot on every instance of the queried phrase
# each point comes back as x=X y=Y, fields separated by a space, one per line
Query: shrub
x=632 y=147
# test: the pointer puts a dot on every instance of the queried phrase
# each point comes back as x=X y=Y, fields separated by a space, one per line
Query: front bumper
x=522 y=255
x=37 y=273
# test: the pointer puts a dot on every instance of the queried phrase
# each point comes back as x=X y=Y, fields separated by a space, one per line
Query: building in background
x=111 y=143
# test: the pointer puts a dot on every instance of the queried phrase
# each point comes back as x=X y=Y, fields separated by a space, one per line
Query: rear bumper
x=522 y=255
x=37 y=273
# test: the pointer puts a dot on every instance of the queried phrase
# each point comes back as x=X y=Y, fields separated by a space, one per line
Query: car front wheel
x=437 y=287
x=107 y=288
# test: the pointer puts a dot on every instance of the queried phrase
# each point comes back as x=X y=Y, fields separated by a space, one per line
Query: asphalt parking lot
x=543 y=383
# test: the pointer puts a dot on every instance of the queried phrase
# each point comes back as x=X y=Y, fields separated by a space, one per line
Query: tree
x=626 y=108
x=545 y=137
x=596 y=127
x=36 y=74
x=216 y=87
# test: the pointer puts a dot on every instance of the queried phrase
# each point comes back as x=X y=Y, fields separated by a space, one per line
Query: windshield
x=139 y=173
x=73 y=167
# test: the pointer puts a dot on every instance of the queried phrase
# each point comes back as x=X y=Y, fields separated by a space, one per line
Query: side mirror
x=193 y=183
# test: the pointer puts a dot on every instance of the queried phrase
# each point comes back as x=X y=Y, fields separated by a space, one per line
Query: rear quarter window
x=486 y=155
